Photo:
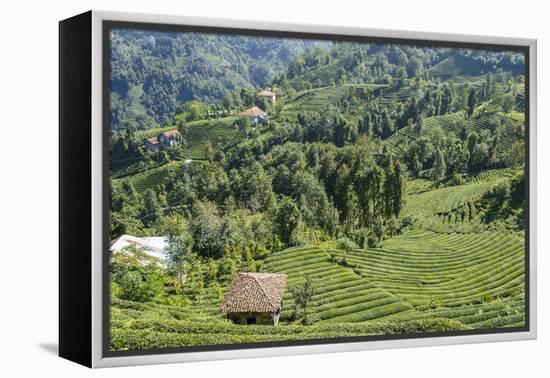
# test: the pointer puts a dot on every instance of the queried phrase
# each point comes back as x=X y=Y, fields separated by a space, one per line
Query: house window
x=250 y=321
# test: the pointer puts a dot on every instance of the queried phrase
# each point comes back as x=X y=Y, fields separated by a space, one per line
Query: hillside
x=457 y=66
x=454 y=124
x=420 y=281
x=373 y=189
x=154 y=72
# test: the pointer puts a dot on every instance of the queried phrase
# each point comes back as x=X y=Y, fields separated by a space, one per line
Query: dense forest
x=152 y=73
x=369 y=153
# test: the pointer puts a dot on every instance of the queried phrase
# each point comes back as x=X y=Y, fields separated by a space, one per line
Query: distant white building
x=254 y=115
x=154 y=246
x=268 y=94
x=166 y=138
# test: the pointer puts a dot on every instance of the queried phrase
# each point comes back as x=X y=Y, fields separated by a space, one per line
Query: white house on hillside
x=167 y=139
x=154 y=246
x=255 y=115
x=268 y=94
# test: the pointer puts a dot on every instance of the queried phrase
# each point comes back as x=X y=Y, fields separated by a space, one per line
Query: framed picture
x=234 y=189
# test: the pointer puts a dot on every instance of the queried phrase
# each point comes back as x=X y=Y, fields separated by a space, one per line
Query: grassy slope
x=217 y=131
x=456 y=66
x=148 y=178
x=467 y=280
x=448 y=123
x=314 y=100
x=444 y=269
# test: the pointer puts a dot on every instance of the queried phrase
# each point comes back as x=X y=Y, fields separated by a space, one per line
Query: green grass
x=227 y=121
x=451 y=124
x=220 y=132
x=422 y=281
x=135 y=326
x=149 y=178
x=315 y=100
x=456 y=66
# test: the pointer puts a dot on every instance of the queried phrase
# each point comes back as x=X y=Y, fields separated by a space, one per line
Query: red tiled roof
x=170 y=133
x=253 y=112
x=254 y=292
x=266 y=93
x=152 y=140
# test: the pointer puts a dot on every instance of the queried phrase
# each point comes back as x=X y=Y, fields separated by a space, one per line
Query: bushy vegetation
x=387 y=184
x=135 y=326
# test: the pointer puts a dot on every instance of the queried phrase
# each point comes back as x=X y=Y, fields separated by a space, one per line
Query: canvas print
x=268 y=190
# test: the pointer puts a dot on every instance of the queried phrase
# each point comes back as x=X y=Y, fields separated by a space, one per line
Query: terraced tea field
x=218 y=132
x=449 y=266
x=318 y=99
x=398 y=94
x=451 y=124
x=342 y=295
x=420 y=281
x=149 y=178
x=150 y=326
x=455 y=67
x=475 y=279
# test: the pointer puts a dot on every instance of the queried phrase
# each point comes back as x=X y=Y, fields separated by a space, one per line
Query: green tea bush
x=156 y=334
x=136 y=283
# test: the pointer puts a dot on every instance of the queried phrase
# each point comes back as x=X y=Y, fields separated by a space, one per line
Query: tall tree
x=472 y=101
x=180 y=247
x=286 y=219
x=397 y=188
x=303 y=295
x=151 y=208
x=419 y=126
x=439 y=167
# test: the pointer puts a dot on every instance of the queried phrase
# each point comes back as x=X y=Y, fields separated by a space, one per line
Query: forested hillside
x=385 y=181
x=155 y=72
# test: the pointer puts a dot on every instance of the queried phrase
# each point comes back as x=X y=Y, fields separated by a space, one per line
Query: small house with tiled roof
x=271 y=96
x=166 y=138
x=255 y=115
x=152 y=144
x=255 y=298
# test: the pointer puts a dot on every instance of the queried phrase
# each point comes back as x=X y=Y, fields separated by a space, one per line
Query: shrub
x=345 y=244
x=138 y=285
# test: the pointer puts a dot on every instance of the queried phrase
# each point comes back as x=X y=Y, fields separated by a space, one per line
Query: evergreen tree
x=419 y=127
x=397 y=188
x=488 y=86
x=180 y=248
x=303 y=295
x=151 y=208
x=286 y=219
x=471 y=102
x=439 y=166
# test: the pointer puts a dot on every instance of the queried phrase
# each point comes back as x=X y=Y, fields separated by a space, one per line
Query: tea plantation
x=448 y=273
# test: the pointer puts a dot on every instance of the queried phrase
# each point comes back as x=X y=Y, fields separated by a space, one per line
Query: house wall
x=167 y=141
x=262 y=318
x=151 y=147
